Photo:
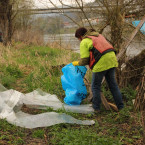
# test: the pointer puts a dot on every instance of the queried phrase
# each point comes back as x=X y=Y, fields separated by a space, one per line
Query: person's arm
x=85 y=46
x=84 y=61
x=81 y=62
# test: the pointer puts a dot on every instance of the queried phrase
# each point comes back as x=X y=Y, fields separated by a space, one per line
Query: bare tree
x=24 y=17
x=8 y=13
x=115 y=12
x=112 y=13
x=6 y=19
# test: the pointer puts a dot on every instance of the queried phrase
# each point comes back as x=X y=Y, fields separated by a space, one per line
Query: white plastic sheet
x=11 y=102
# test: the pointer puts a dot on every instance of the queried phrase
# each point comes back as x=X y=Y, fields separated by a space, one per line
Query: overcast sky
x=46 y=3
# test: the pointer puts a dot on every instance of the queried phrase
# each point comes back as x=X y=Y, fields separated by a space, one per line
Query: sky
x=46 y=3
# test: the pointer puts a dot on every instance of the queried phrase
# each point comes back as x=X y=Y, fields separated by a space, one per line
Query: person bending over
x=99 y=54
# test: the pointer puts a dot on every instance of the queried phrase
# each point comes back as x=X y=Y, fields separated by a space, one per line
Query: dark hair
x=80 y=32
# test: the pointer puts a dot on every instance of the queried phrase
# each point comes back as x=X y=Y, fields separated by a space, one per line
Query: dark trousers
x=113 y=86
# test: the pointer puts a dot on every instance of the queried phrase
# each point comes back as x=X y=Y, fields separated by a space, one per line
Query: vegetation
x=49 y=24
x=10 y=18
x=113 y=13
x=29 y=64
x=28 y=67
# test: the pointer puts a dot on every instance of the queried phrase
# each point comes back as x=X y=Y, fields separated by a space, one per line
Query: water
x=64 y=40
x=70 y=42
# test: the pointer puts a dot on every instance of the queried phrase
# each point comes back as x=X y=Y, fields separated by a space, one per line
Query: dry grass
x=58 y=44
x=5 y=52
x=29 y=37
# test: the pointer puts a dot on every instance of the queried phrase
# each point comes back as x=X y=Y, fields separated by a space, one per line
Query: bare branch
x=64 y=13
x=84 y=13
x=132 y=36
x=65 y=4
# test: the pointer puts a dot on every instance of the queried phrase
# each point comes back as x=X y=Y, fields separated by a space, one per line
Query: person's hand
x=75 y=63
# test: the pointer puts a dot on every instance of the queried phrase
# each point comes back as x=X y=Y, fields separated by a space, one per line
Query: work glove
x=75 y=63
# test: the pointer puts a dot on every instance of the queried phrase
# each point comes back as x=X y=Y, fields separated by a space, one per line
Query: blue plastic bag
x=142 y=29
x=73 y=84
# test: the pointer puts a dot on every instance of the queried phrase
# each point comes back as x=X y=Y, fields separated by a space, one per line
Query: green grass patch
x=83 y=135
x=32 y=67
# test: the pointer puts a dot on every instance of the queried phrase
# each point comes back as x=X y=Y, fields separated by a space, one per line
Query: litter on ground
x=11 y=102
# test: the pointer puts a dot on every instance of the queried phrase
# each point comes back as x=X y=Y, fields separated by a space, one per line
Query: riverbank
x=28 y=67
x=67 y=41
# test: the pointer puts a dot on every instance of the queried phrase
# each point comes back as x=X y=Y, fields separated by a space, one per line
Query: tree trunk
x=6 y=21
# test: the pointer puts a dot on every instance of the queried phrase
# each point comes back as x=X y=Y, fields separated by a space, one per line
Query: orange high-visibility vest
x=100 y=47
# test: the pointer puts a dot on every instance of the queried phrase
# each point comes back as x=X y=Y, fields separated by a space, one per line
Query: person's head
x=80 y=32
